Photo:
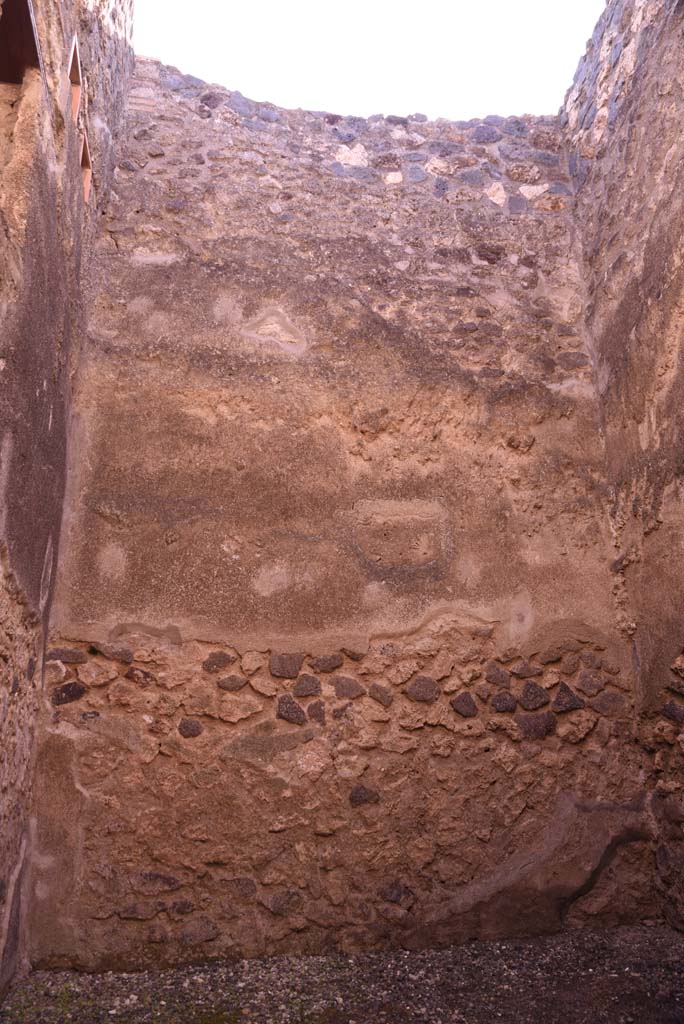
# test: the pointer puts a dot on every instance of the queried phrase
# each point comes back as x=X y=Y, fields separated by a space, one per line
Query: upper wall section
x=624 y=119
x=309 y=335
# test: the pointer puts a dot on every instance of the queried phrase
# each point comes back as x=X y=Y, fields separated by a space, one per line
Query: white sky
x=444 y=58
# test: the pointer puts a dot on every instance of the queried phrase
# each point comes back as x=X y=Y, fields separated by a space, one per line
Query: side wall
x=45 y=226
x=624 y=118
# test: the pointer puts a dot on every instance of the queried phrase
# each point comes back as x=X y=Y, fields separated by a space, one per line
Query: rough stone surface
x=401 y=396
x=464 y=705
x=46 y=236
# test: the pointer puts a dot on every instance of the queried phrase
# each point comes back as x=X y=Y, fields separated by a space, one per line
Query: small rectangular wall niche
x=86 y=167
x=18 y=40
x=76 y=80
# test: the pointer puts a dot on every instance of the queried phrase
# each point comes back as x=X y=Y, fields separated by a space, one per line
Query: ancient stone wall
x=44 y=225
x=367 y=625
x=336 y=660
x=624 y=117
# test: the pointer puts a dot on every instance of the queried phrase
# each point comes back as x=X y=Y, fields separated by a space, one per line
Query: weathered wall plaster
x=624 y=122
x=341 y=659
x=366 y=605
x=44 y=228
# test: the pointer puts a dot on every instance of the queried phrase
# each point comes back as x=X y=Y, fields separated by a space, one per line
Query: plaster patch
x=272 y=326
x=112 y=560
x=272 y=579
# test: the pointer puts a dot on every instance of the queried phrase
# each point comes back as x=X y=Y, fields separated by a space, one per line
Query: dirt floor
x=626 y=976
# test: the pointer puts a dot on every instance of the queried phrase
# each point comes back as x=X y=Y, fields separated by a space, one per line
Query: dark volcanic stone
x=307 y=686
x=536 y=727
x=241 y=105
x=676 y=685
x=231 y=684
x=212 y=99
x=316 y=712
x=415 y=174
x=242 y=887
x=533 y=697
x=347 y=688
x=67 y=655
x=284 y=903
x=352 y=654
x=570 y=664
x=68 y=693
x=286 y=666
x=485 y=134
x=396 y=892
x=113 y=652
x=218 y=660
x=572 y=360
x=381 y=694
x=590 y=682
x=674 y=711
x=497 y=675
x=361 y=795
x=189 y=728
x=517 y=204
x=608 y=703
x=290 y=711
x=591 y=659
x=504 y=703
x=327 y=663
x=423 y=689
x=464 y=705
x=201 y=930
x=567 y=700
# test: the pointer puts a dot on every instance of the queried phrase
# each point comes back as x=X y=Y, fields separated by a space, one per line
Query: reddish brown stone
x=231 y=684
x=525 y=670
x=141 y=676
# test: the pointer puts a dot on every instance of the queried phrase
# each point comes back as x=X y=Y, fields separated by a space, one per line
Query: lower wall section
x=197 y=801
x=19 y=674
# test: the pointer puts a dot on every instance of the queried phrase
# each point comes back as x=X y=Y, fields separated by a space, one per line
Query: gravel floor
x=626 y=976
